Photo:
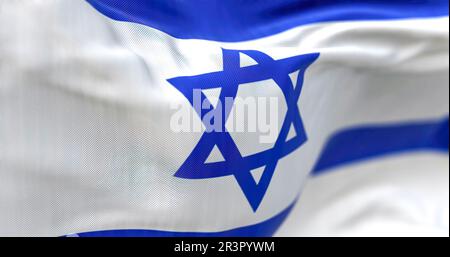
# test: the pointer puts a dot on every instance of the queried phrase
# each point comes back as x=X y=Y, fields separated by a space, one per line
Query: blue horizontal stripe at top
x=239 y=20
x=357 y=144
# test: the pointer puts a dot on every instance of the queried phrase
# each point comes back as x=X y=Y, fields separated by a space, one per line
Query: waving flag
x=224 y=118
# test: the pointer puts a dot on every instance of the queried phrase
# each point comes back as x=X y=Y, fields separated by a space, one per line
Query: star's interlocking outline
x=195 y=166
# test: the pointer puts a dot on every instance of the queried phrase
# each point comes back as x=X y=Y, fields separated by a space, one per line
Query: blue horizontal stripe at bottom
x=345 y=147
x=240 y=20
x=264 y=229
x=357 y=144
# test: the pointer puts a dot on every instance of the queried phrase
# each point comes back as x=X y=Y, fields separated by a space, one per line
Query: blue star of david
x=234 y=164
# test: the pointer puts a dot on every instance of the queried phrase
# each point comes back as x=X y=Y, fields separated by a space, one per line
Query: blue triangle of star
x=234 y=164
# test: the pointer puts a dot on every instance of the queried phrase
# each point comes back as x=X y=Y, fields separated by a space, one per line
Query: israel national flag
x=224 y=118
